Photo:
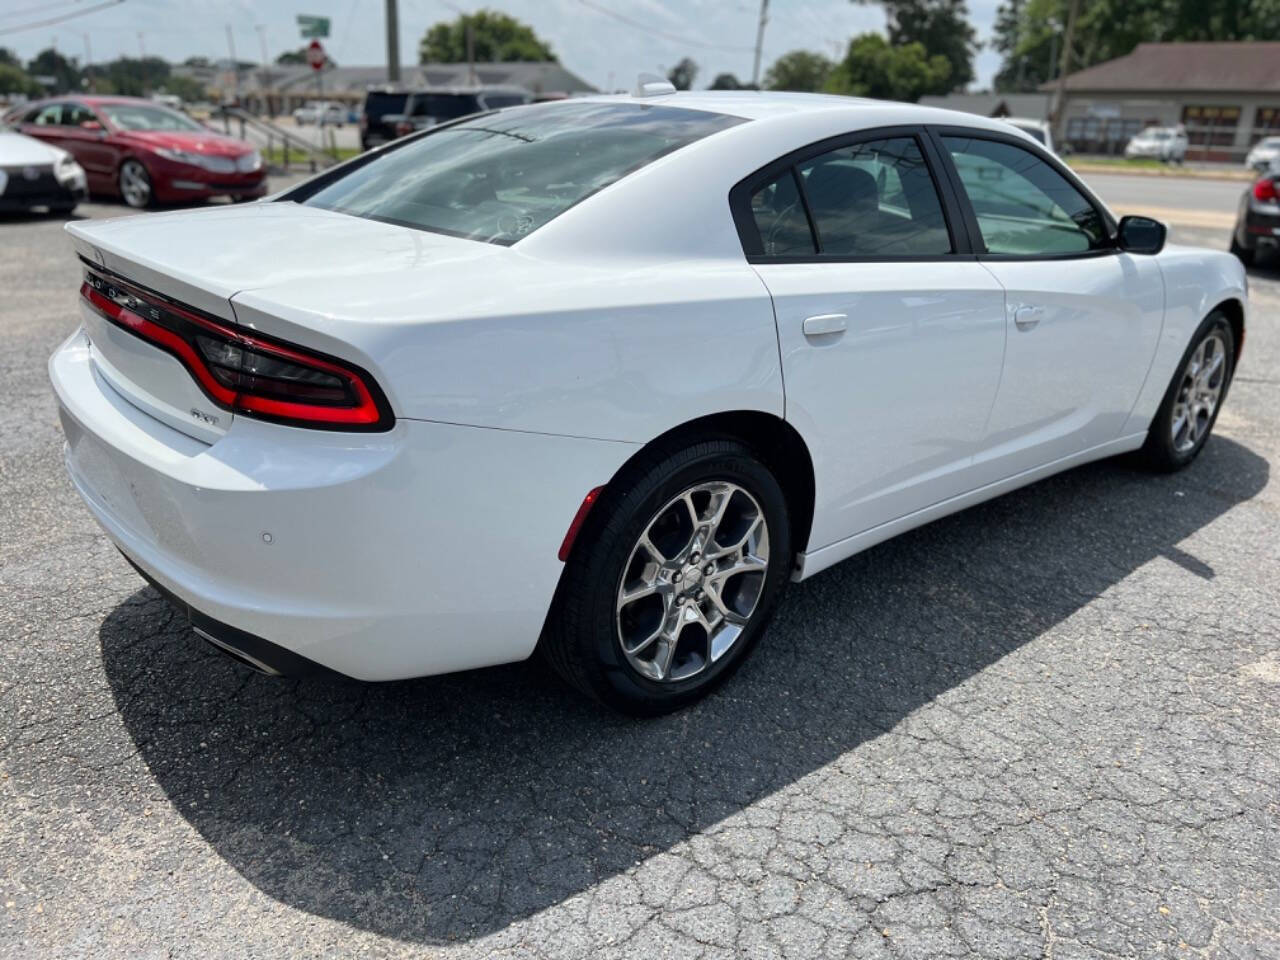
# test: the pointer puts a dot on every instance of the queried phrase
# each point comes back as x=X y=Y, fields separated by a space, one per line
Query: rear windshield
x=378 y=105
x=444 y=106
x=498 y=177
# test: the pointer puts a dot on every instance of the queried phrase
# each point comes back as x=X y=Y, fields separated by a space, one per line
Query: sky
x=606 y=52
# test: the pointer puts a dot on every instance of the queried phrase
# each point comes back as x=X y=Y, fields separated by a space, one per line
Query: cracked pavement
x=1046 y=727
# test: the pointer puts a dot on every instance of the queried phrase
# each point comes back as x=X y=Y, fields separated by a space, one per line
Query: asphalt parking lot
x=1046 y=727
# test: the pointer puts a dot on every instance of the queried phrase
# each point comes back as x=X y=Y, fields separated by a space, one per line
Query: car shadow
x=447 y=808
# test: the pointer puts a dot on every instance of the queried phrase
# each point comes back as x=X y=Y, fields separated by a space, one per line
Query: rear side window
x=1024 y=206
x=870 y=199
x=498 y=177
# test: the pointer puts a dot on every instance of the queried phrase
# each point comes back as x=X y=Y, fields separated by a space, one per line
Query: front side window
x=875 y=199
x=498 y=177
x=1023 y=205
x=75 y=114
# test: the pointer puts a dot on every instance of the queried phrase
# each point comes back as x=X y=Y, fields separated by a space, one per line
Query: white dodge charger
x=598 y=377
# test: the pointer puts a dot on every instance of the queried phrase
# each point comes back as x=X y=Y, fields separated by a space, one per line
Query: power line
x=50 y=21
x=672 y=37
x=39 y=8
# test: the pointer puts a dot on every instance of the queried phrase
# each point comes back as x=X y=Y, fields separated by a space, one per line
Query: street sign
x=315 y=55
x=311 y=26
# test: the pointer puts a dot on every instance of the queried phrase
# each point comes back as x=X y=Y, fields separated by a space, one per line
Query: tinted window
x=499 y=177
x=74 y=114
x=875 y=199
x=378 y=105
x=444 y=106
x=780 y=218
x=52 y=114
x=496 y=101
x=1023 y=205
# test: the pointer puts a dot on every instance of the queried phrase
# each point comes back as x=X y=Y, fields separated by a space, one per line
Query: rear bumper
x=1258 y=230
x=426 y=549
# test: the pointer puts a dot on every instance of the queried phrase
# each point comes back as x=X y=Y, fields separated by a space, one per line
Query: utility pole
x=142 y=62
x=235 y=65
x=88 y=63
x=265 y=75
x=1064 y=67
x=393 y=42
x=764 y=18
x=471 y=53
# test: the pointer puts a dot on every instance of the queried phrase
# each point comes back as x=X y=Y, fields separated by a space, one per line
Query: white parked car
x=1265 y=155
x=1168 y=144
x=318 y=112
x=604 y=374
x=1037 y=130
x=35 y=174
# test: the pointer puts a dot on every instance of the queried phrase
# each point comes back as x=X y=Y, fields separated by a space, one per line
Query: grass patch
x=275 y=155
x=1138 y=163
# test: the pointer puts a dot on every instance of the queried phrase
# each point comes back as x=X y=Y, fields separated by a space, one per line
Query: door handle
x=1026 y=318
x=824 y=324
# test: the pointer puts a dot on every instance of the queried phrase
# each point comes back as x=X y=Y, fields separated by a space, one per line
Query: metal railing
x=316 y=157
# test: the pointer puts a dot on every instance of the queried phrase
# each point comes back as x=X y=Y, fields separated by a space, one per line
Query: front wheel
x=135 y=184
x=1191 y=404
x=673 y=579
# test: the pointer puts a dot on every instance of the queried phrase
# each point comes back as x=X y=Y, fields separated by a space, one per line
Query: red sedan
x=143 y=152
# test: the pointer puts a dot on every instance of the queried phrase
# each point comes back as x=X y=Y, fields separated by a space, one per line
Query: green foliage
x=727 y=81
x=875 y=68
x=1027 y=31
x=941 y=27
x=13 y=79
x=497 y=38
x=800 y=70
x=683 y=74
x=50 y=63
x=299 y=56
x=191 y=91
x=131 y=77
x=8 y=58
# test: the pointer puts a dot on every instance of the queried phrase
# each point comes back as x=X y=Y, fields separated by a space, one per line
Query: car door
x=87 y=144
x=1083 y=317
x=44 y=123
x=891 y=335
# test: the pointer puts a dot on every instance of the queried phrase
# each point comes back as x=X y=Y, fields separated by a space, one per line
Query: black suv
x=426 y=108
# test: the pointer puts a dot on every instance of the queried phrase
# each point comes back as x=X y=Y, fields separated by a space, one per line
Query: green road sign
x=311 y=26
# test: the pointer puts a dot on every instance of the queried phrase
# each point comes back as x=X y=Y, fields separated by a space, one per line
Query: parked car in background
x=35 y=174
x=1167 y=144
x=382 y=108
x=1038 y=130
x=1257 y=228
x=427 y=108
x=145 y=153
x=322 y=112
x=603 y=376
x=1264 y=155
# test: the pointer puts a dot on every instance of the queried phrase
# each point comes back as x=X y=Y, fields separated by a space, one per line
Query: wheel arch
x=1234 y=311
x=781 y=448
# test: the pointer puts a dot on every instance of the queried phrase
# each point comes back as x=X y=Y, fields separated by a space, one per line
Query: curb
x=1240 y=176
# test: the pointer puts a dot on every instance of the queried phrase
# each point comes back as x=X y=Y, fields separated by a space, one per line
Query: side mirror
x=91 y=125
x=1141 y=235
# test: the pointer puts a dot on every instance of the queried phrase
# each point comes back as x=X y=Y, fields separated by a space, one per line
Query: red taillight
x=575 y=526
x=1265 y=189
x=403 y=129
x=241 y=371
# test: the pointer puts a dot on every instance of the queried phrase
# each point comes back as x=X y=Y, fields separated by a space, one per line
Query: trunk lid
x=200 y=260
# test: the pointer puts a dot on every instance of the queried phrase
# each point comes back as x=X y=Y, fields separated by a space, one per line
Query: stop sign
x=315 y=55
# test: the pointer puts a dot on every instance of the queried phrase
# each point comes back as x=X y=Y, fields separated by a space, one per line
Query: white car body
x=26 y=157
x=1163 y=143
x=322 y=113
x=523 y=376
x=1265 y=155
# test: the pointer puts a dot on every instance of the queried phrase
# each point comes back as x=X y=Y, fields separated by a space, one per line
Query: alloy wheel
x=1199 y=392
x=135 y=185
x=692 y=581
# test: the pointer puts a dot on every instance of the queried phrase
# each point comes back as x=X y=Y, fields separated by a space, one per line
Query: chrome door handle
x=824 y=324
x=1026 y=318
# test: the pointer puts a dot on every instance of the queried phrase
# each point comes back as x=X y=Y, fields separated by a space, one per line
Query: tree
x=941 y=27
x=299 y=56
x=497 y=38
x=183 y=87
x=1027 y=32
x=50 y=63
x=873 y=68
x=682 y=74
x=131 y=77
x=9 y=59
x=800 y=70
x=13 y=79
x=197 y=62
x=727 y=81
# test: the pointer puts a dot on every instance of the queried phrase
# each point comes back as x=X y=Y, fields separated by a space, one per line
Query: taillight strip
x=368 y=409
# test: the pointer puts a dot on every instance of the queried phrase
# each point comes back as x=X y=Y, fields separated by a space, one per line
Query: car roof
x=770 y=104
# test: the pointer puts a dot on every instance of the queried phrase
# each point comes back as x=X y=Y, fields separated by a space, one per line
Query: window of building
x=1266 y=123
x=1211 y=126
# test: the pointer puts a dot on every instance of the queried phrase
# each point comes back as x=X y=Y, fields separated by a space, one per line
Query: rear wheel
x=135 y=184
x=673 y=580
x=1191 y=404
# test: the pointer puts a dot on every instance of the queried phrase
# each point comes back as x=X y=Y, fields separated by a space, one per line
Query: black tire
x=1246 y=256
x=581 y=640
x=138 y=197
x=1159 y=452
